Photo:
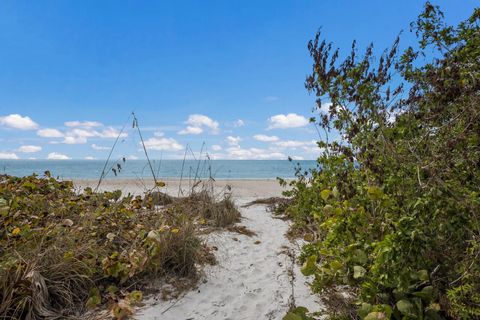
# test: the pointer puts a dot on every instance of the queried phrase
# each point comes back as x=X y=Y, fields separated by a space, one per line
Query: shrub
x=62 y=252
x=394 y=204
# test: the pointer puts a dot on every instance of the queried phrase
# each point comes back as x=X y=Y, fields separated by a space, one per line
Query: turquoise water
x=219 y=169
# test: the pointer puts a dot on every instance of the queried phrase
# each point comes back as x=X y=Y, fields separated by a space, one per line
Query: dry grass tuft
x=276 y=205
x=241 y=230
x=217 y=211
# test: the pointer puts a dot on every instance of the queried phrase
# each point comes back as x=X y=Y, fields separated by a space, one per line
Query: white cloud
x=325 y=107
x=265 y=138
x=89 y=158
x=97 y=147
x=80 y=136
x=313 y=149
x=86 y=124
x=29 y=149
x=297 y=158
x=74 y=140
x=57 y=156
x=239 y=123
x=159 y=143
x=17 y=121
x=293 y=144
x=8 y=156
x=132 y=157
x=80 y=132
x=49 y=133
x=111 y=132
x=191 y=130
x=197 y=122
x=216 y=147
x=239 y=153
x=291 y=120
x=83 y=133
x=233 y=141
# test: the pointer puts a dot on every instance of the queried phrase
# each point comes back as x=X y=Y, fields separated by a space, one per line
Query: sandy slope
x=251 y=281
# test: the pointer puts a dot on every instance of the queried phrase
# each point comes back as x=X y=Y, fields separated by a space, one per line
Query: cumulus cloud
x=85 y=124
x=196 y=123
x=216 y=147
x=57 y=156
x=49 y=133
x=293 y=144
x=291 y=120
x=8 y=156
x=89 y=158
x=233 y=141
x=265 y=138
x=80 y=132
x=74 y=140
x=97 y=147
x=191 y=130
x=239 y=123
x=81 y=135
x=111 y=132
x=29 y=149
x=17 y=121
x=238 y=153
x=132 y=157
x=312 y=149
x=160 y=143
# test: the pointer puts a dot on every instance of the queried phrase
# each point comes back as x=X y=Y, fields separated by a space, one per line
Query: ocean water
x=219 y=169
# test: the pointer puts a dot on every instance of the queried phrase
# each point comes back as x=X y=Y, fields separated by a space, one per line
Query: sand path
x=253 y=280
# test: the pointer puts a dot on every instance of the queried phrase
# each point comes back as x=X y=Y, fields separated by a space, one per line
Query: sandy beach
x=256 y=277
x=239 y=188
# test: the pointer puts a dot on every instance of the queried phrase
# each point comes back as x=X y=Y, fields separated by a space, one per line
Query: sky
x=228 y=75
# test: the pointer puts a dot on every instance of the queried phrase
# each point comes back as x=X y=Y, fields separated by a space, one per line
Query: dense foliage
x=63 y=253
x=393 y=209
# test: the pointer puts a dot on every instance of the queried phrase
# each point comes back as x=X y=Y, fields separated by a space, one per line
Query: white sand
x=250 y=281
x=239 y=188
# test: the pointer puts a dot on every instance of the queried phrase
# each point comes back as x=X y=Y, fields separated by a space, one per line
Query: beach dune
x=255 y=278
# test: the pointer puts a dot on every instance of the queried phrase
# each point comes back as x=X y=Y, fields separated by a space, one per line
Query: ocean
x=218 y=169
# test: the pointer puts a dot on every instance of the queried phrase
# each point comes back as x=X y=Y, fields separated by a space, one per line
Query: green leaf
x=94 y=298
x=423 y=275
x=359 y=272
x=136 y=296
x=292 y=316
x=433 y=315
x=364 y=310
x=335 y=192
x=359 y=256
x=426 y=293
x=309 y=267
x=325 y=194
x=406 y=308
x=374 y=192
x=376 y=316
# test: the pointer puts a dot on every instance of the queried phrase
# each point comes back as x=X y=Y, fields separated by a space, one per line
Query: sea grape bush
x=393 y=209
x=63 y=252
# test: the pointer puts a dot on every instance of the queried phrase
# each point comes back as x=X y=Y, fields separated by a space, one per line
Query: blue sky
x=227 y=73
